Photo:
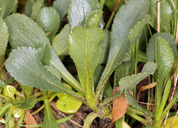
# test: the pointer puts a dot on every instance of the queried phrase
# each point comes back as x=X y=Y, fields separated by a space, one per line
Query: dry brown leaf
x=29 y=119
x=120 y=106
x=146 y=87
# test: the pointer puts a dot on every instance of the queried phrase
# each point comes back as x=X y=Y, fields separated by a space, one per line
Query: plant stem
x=89 y=119
x=45 y=96
x=112 y=15
x=7 y=106
x=138 y=118
x=175 y=20
x=163 y=103
x=149 y=29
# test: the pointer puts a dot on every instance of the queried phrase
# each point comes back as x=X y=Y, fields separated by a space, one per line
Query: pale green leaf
x=53 y=71
x=60 y=41
x=49 y=119
x=3 y=40
x=127 y=17
x=36 y=8
x=135 y=32
x=6 y=7
x=165 y=15
x=164 y=58
x=25 y=66
x=48 y=18
x=61 y=6
x=129 y=82
x=23 y=32
x=2 y=84
x=80 y=9
x=93 y=18
x=151 y=45
x=67 y=103
x=85 y=50
x=26 y=103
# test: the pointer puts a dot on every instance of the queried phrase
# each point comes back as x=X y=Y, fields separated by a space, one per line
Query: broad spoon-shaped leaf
x=25 y=32
x=85 y=50
x=25 y=66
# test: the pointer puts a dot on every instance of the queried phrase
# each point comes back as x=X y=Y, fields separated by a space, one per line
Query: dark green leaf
x=80 y=9
x=119 y=73
x=135 y=32
x=132 y=101
x=48 y=18
x=60 y=41
x=127 y=17
x=49 y=120
x=105 y=44
x=36 y=8
x=44 y=52
x=164 y=58
x=166 y=15
x=61 y=6
x=3 y=40
x=25 y=66
x=23 y=32
x=129 y=82
x=151 y=45
x=28 y=8
x=26 y=103
x=6 y=7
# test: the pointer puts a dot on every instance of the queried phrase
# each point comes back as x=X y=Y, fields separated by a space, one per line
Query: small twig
x=144 y=103
x=2 y=66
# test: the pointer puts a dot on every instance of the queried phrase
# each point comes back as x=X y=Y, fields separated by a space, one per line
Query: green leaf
x=119 y=73
x=136 y=31
x=49 y=120
x=151 y=45
x=93 y=18
x=28 y=8
x=48 y=18
x=67 y=103
x=127 y=17
x=53 y=71
x=25 y=66
x=105 y=44
x=27 y=89
x=132 y=101
x=23 y=32
x=80 y=9
x=85 y=51
x=129 y=82
x=60 y=41
x=61 y=6
x=3 y=40
x=44 y=52
x=165 y=15
x=164 y=58
x=6 y=7
x=26 y=103
x=36 y=8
